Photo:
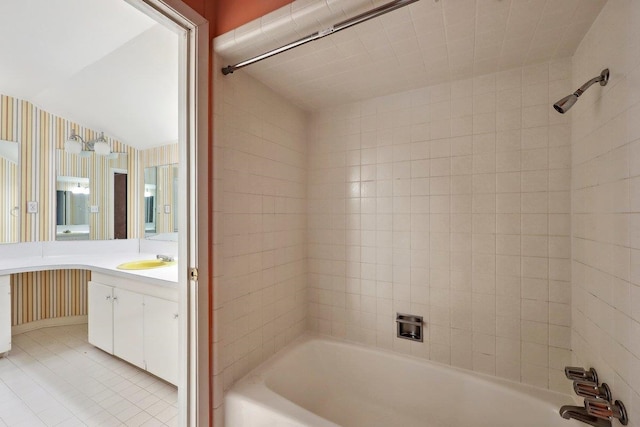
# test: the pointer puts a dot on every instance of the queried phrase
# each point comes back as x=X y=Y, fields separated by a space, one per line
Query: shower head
x=567 y=102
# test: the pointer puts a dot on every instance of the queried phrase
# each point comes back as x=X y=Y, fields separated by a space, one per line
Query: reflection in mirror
x=97 y=173
x=72 y=208
x=149 y=201
x=9 y=198
x=161 y=199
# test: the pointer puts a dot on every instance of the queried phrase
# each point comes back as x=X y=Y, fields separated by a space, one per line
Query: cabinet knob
x=115 y=298
x=108 y=297
x=175 y=316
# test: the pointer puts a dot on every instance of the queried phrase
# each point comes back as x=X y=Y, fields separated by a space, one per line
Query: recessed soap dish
x=410 y=327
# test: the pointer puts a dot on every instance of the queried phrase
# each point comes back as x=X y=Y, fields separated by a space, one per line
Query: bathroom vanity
x=135 y=321
x=131 y=314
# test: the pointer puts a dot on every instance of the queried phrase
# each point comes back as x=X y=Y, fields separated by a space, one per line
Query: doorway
x=192 y=138
x=119 y=205
x=195 y=379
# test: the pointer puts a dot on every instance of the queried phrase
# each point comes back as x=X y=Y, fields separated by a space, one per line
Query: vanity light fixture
x=75 y=144
x=80 y=190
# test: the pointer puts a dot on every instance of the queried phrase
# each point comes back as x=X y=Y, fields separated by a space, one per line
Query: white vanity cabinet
x=161 y=337
x=5 y=314
x=100 y=316
x=128 y=326
x=137 y=322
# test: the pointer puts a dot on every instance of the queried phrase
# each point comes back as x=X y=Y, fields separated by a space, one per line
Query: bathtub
x=320 y=382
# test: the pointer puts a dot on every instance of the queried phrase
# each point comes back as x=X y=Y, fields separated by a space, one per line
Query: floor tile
x=54 y=377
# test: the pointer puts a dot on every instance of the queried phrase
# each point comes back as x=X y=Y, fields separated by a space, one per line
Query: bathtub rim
x=246 y=390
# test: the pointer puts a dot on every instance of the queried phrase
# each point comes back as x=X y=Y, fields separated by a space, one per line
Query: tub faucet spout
x=165 y=258
x=580 y=413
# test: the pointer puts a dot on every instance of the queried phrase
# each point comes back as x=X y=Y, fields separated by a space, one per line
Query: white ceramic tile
x=74 y=384
x=603 y=185
x=440 y=44
x=432 y=225
x=262 y=270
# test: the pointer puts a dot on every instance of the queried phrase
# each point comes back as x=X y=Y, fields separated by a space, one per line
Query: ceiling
x=100 y=63
x=428 y=42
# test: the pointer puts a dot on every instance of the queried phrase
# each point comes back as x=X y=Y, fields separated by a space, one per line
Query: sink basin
x=144 y=264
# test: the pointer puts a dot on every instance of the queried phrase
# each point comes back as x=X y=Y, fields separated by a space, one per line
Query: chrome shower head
x=567 y=102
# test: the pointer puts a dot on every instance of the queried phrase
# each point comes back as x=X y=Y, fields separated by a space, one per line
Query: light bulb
x=72 y=146
x=102 y=148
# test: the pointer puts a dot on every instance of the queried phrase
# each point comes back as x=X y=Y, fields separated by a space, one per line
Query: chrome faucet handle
x=577 y=373
x=606 y=410
x=592 y=390
x=165 y=258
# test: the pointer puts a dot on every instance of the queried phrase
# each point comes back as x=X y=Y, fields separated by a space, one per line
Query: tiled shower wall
x=451 y=202
x=606 y=204
x=260 y=226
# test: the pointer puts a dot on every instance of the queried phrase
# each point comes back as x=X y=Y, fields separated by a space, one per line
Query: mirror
x=160 y=214
x=149 y=212
x=90 y=203
x=72 y=208
x=10 y=196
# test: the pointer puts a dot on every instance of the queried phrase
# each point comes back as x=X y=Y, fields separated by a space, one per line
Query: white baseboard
x=47 y=323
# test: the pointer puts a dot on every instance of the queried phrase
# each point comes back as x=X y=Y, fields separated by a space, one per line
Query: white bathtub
x=322 y=383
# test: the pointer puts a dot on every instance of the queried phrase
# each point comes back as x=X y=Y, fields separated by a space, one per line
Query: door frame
x=195 y=380
x=112 y=198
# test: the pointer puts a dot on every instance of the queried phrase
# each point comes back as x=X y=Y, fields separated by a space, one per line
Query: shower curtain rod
x=373 y=13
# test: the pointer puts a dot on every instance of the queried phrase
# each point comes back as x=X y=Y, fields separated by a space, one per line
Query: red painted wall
x=226 y=15
x=205 y=8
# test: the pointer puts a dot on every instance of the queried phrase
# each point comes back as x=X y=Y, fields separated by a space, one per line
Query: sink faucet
x=580 y=413
x=165 y=258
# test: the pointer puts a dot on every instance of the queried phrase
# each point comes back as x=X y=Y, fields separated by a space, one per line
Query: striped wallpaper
x=49 y=294
x=59 y=293
x=40 y=134
x=9 y=215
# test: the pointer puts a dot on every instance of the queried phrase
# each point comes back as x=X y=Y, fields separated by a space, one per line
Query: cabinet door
x=127 y=326
x=161 y=338
x=5 y=314
x=100 y=314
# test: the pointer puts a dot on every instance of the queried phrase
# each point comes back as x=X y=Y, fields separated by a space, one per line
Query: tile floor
x=54 y=377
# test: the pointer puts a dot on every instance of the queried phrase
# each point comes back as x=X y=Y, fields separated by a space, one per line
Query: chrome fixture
x=580 y=413
x=75 y=144
x=577 y=373
x=567 y=102
x=363 y=17
x=598 y=410
x=409 y=327
x=592 y=390
x=165 y=258
x=605 y=410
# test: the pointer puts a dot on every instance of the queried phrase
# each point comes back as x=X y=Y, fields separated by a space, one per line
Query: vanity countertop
x=104 y=262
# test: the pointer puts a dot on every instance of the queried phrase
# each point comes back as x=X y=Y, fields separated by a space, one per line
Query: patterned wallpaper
x=49 y=294
x=9 y=217
x=40 y=135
